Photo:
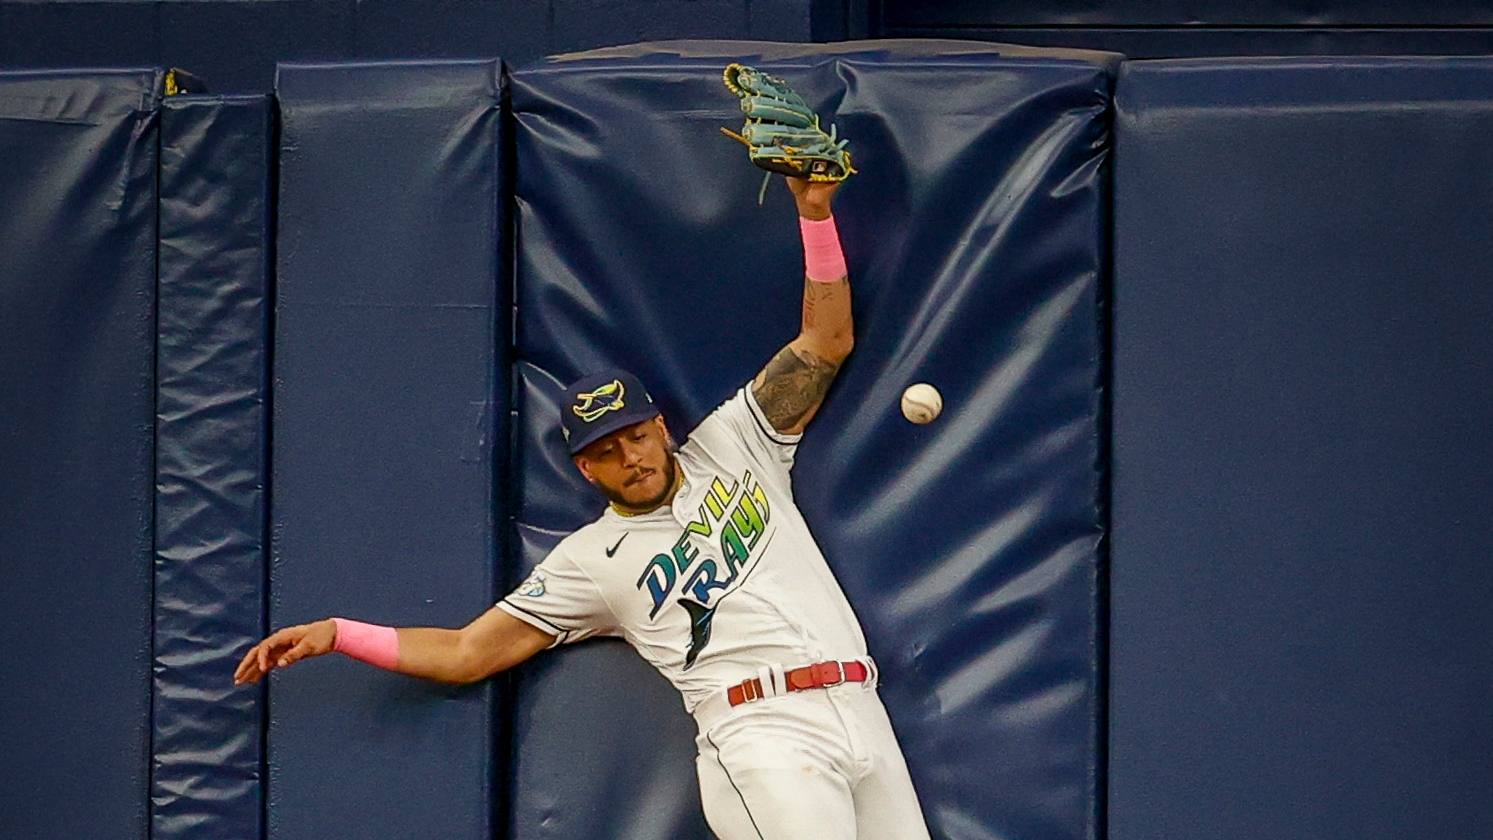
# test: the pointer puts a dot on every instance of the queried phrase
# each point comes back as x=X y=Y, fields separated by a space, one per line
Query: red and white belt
x=771 y=682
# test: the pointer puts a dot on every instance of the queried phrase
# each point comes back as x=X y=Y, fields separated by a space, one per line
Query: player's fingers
x=245 y=664
x=281 y=640
x=265 y=656
x=249 y=668
x=270 y=648
x=242 y=668
x=301 y=650
x=250 y=674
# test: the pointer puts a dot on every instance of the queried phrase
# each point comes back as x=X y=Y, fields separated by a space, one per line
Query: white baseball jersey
x=723 y=581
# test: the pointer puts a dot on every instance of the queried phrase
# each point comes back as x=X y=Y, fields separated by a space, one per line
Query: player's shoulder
x=740 y=420
x=570 y=558
x=729 y=416
x=594 y=533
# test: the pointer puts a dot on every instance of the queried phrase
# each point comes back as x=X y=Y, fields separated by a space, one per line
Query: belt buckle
x=828 y=673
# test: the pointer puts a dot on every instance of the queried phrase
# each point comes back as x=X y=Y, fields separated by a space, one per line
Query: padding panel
x=974 y=234
x=388 y=407
x=1302 y=636
x=77 y=353
x=212 y=433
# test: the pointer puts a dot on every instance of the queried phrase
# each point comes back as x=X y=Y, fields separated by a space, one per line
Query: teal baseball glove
x=782 y=132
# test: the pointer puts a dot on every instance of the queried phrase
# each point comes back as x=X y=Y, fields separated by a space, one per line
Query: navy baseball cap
x=601 y=403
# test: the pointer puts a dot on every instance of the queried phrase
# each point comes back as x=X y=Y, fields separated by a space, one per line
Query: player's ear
x=664 y=429
x=584 y=466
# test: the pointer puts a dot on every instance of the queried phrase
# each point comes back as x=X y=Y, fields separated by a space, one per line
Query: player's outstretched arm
x=792 y=386
x=493 y=642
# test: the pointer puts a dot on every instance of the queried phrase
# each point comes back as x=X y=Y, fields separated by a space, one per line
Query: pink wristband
x=824 y=262
x=371 y=643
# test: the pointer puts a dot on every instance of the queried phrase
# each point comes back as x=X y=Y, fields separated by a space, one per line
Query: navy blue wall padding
x=1182 y=28
x=235 y=44
x=1212 y=13
x=77 y=397
x=212 y=433
x=974 y=234
x=1188 y=41
x=389 y=403
x=1302 y=631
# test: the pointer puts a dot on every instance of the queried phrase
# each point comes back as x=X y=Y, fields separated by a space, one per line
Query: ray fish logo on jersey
x=608 y=397
x=533 y=587
x=714 y=553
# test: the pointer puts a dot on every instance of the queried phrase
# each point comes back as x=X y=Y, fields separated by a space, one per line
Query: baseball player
x=703 y=564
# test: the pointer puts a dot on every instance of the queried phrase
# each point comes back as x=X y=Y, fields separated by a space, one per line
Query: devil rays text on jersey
x=714 y=553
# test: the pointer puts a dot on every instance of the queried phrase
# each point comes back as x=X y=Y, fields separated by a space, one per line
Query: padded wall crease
x=212 y=430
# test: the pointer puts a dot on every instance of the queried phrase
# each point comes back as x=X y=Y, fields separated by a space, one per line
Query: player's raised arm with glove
x=792 y=386
x=493 y=642
x=784 y=135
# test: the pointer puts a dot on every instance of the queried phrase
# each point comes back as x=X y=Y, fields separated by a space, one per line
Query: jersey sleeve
x=740 y=424
x=558 y=597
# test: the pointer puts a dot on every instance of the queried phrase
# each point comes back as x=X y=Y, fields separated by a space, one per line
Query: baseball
x=921 y=403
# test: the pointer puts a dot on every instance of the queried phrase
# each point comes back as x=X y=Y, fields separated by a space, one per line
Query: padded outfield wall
x=1297 y=619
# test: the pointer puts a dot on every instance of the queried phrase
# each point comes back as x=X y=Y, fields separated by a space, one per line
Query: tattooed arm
x=792 y=386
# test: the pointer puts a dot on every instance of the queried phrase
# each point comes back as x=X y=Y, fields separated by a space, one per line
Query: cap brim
x=606 y=427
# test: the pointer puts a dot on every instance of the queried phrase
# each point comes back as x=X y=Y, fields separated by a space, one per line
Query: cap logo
x=608 y=397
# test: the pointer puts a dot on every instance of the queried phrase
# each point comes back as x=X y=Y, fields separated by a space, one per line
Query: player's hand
x=286 y=647
x=813 y=197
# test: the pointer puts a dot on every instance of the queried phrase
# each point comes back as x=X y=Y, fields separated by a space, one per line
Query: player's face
x=634 y=466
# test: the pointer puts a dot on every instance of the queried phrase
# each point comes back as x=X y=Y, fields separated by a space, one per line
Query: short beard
x=671 y=475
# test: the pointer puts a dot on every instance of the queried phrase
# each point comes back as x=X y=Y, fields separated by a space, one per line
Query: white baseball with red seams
x=922 y=403
x=724 y=585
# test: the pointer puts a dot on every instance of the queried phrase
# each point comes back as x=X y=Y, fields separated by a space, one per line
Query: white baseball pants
x=821 y=764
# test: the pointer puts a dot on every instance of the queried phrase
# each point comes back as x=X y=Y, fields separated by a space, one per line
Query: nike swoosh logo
x=613 y=550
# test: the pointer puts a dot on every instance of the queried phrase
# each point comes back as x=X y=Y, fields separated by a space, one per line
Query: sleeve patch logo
x=608 y=397
x=533 y=587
